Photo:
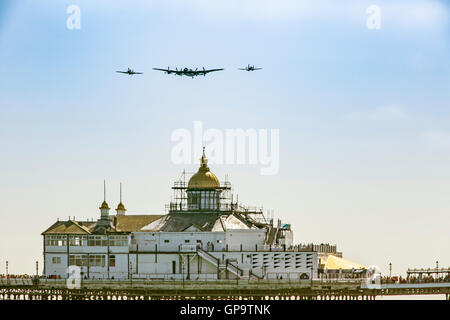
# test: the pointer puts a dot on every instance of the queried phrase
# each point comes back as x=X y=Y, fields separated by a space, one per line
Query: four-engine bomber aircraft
x=250 y=68
x=130 y=72
x=188 y=72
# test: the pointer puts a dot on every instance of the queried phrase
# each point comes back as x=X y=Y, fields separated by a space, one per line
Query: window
x=56 y=240
x=166 y=241
x=199 y=241
x=118 y=241
x=186 y=241
x=75 y=241
x=98 y=241
x=78 y=260
x=56 y=260
x=96 y=260
x=112 y=261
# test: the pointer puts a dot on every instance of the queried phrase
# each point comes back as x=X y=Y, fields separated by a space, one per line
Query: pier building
x=204 y=234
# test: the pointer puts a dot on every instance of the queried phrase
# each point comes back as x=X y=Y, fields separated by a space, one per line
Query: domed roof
x=204 y=178
x=104 y=205
x=121 y=207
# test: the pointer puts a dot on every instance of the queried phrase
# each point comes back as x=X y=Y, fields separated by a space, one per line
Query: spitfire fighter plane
x=130 y=72
x=188 y=72
x=250 y=68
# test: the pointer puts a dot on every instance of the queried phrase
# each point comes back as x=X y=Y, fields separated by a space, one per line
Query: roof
x=70 y=227
x=121 y=223
x=335 y=263
x=130 y=223
x=186 y=221
x=121 y=206
x=180 y=221
x=104 y=205
x=204 y=178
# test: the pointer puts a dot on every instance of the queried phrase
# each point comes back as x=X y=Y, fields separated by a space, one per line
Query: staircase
x=222 y=266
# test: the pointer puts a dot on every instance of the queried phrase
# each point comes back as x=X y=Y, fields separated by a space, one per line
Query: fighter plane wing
x=137 y=73
x=257 y=68
x=122 y=72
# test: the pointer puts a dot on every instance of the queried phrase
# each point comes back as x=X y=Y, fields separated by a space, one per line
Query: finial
x=203 y=160
x=104 y=204
x=120 y=207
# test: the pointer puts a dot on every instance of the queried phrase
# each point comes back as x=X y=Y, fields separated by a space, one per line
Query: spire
x=103 y=223
x=104 y=204
x=120 y=207
x=204 y=160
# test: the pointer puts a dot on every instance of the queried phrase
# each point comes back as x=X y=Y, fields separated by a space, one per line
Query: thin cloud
x=384 y=113
x=411 y=13
x=436 y=139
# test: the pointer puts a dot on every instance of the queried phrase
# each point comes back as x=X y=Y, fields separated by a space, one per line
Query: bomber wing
x=165 y=70
x=168 y=71
x=207 y=71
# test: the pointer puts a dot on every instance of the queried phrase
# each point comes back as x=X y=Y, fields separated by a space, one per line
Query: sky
x=363 y=116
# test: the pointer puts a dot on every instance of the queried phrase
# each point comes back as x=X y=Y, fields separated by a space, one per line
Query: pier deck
x=223 y=289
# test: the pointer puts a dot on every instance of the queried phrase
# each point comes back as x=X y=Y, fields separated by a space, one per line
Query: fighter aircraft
x=187 y=72
x=130 y=72
x=250 y=68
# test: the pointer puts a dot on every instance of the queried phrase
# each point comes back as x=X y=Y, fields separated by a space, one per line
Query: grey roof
x=119 y=223
x=176 y=222
x=201 y=221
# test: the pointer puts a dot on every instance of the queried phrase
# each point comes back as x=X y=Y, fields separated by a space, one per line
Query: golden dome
x=120 y=206
x=104 y=205
x=204 y=178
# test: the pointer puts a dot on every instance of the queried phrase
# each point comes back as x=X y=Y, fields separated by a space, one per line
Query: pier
x=57 y=289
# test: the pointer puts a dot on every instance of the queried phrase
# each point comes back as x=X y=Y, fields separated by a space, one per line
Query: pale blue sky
x=363 y=115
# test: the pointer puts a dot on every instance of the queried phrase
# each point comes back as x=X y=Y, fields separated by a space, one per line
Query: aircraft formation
x=188 y=72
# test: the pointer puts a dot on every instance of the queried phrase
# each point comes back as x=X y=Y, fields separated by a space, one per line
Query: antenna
x=104 y=190
x=121 y=192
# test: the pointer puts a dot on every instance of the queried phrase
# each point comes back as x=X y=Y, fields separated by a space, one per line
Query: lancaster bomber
x=188 y=72
x=130 y=72
x=250 y=68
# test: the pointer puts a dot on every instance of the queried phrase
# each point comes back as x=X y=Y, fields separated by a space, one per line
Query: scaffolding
x=227 y=204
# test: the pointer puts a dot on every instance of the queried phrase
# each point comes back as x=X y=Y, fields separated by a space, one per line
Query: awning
x=335 y=263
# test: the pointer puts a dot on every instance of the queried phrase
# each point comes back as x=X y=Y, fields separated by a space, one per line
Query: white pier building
x=204 y=235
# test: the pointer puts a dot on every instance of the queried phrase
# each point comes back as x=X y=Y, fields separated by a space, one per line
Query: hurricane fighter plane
x=250 y=68
x=187 y=72
x=130 y=72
